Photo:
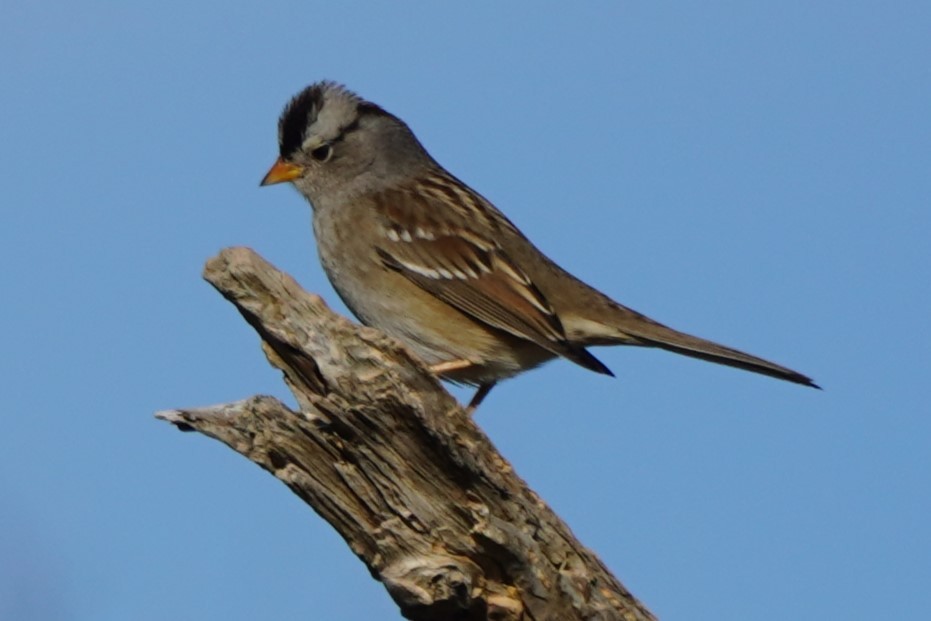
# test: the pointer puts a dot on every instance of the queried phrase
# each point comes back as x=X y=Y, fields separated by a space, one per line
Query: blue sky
x=757 y=174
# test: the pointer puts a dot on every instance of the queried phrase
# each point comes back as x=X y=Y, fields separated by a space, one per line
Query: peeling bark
x=385 y=455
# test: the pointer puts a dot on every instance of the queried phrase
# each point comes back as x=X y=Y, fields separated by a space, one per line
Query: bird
x=418 y=254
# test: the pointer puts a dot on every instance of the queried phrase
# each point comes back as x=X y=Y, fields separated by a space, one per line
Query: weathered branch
x=391 y=461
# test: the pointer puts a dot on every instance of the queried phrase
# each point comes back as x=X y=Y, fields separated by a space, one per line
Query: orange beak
x=280 y=172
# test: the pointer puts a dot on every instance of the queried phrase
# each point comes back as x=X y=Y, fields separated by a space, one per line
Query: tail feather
x=658 y=335
x=695 y=347
x=622 y=325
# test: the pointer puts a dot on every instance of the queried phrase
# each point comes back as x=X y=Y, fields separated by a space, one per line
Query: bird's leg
x=450 y=365
x=479 y=396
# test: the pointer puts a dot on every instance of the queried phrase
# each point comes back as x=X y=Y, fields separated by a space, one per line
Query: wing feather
x=451 y=259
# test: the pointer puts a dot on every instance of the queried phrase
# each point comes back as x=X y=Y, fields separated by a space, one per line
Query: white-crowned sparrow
x=415 y=252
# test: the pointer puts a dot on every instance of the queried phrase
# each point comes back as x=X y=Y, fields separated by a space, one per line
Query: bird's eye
x=322 y=153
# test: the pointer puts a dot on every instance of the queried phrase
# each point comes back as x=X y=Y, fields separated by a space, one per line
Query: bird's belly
x=434 y=330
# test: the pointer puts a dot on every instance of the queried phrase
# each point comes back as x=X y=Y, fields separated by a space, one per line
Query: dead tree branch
x=391 y=461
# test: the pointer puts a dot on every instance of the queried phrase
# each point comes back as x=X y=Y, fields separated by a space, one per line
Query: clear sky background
x=754 y=173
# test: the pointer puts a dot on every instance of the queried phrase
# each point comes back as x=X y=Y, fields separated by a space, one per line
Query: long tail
x=695 y=347
x=645 y=331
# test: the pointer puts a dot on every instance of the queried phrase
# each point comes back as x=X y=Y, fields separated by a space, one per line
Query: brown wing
x=447 y=257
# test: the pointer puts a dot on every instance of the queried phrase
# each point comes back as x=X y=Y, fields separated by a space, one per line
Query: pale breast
x=386 y=300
